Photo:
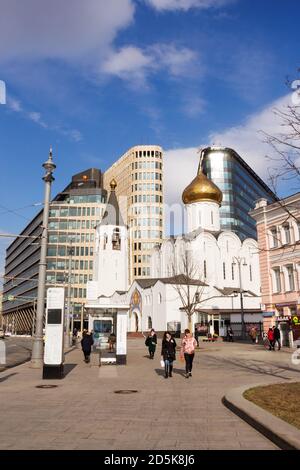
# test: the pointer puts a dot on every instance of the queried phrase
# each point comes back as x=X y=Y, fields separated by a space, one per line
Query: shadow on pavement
x=2 y=379
x=68 y=368
x=161 y=372
x=255 y=367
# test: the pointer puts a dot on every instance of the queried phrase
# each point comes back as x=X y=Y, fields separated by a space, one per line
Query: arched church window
x=212 y=217
x=149 y=323
x=105 y=240
x=116 y=239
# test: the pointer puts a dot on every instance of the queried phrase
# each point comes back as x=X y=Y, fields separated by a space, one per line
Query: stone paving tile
x=125 y=421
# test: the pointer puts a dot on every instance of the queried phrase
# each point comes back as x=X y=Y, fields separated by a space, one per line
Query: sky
x=91 y=78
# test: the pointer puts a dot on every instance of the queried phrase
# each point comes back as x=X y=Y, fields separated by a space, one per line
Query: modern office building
x=139 y=177
x=73 y=216
x=241 y=188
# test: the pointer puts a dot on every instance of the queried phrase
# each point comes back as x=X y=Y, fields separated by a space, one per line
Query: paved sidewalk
x=83 y=412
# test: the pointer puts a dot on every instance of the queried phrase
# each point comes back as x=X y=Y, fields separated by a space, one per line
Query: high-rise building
x=73 y=216
x=241 y=188
x=139 y=177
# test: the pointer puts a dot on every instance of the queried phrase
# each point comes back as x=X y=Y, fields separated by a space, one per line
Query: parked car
x=2 y=335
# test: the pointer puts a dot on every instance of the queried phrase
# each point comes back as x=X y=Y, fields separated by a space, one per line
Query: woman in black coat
x=168 y=353
x=86 y=345
x=151 y=342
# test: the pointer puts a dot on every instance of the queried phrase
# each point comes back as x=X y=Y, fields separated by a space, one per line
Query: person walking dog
x=187 y=351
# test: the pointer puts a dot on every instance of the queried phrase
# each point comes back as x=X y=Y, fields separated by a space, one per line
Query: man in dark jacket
x=86 y=345
x=277 y=337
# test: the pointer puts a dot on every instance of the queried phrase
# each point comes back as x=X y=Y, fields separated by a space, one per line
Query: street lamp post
x=68 y=337
x=37 y=345
x=239 y=260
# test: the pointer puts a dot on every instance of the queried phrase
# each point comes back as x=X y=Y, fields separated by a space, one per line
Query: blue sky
x=102 y=76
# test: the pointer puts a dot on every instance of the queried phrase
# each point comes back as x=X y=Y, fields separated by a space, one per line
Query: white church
x=208 y=272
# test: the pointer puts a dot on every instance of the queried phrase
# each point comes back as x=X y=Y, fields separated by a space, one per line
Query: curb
x=24 y=361
x=283 y=434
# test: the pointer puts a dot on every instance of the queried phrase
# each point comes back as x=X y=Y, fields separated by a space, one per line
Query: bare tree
x=285 y=159
x=189 y=283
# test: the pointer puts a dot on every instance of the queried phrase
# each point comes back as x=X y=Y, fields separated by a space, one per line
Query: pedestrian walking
x=253 y=334
x=230 y=335
x=197 y=334
x=271 y=339
x=277 y=335
x=187 y=351
x=168 y=353
x=151 y=342
x=86 y=345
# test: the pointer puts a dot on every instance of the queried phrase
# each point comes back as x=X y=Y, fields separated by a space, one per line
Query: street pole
x=239 y=261
x=37 y=345
x=242 y=301
x=68 y=311
x=81 y=320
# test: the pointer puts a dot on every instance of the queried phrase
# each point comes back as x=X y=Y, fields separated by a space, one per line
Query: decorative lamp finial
x=113 y=184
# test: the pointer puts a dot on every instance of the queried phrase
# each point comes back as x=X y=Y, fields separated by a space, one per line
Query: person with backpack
x=151 y=342
x=187 y=351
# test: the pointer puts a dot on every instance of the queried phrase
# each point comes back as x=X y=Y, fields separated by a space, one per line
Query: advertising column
x=54 y=334
x=121 y=347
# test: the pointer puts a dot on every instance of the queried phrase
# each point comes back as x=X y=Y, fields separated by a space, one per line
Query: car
x=2 y=335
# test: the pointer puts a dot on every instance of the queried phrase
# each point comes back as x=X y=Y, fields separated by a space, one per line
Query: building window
x=224 y=271
x=204 y=269
x=287 y=234
x=116 y=239
x=274 y=238
x=277 y=281
x=212 y=217
x=232 y=271
x=291 y=282
x=149 y=323
x=105 y=239
x=159 y=298
x=250 y=272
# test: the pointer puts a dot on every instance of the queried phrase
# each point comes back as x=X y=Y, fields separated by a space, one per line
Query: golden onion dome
x=202 y=189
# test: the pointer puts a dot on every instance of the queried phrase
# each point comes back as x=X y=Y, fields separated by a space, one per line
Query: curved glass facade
x=241 y=188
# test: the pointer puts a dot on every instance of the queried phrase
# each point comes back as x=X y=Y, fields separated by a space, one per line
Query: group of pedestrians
x=168 y=351
x=274 y=338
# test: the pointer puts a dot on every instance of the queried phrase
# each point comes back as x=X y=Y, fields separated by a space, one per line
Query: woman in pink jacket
x=188 y=351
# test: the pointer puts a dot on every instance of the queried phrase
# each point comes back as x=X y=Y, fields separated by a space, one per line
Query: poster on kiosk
x=54 y=334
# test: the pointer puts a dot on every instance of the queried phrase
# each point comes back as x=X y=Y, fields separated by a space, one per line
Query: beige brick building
x=139 y=177
x=278 y=231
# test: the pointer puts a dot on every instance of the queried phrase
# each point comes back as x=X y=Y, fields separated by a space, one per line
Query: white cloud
x=36 y=117
x=163 y=5
x=127 y=63
x=14 y=105
x=246 y=139
x=132 y=63
x=179 y=61
x=193 y=106
x=38 y=29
